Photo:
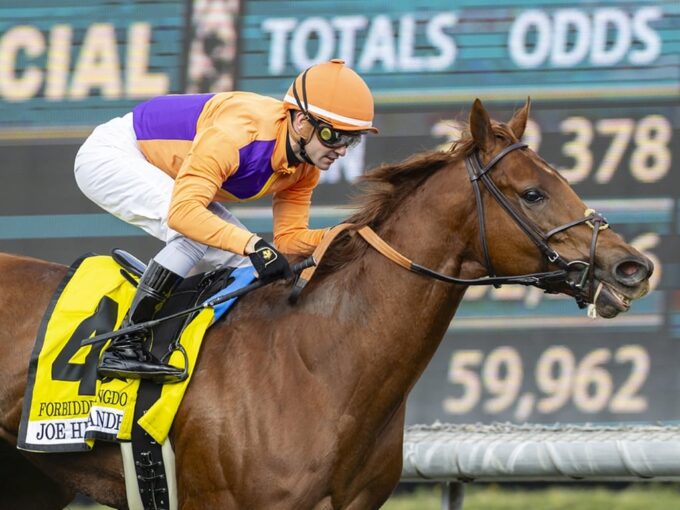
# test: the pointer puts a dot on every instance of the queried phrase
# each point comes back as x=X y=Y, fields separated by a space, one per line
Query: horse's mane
x=386 y=186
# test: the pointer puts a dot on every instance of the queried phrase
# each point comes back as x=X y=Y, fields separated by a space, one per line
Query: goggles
x=334 y=138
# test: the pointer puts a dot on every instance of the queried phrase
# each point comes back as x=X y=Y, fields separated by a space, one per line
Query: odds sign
x=567 y=37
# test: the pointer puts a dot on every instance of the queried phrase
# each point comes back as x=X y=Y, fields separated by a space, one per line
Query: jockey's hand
x=268 y=261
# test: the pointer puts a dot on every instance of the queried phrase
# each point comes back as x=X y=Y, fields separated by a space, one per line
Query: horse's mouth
x=609 y=302
x=611 y=292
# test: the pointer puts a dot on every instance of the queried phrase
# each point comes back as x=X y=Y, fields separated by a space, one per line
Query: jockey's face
x=321 y=155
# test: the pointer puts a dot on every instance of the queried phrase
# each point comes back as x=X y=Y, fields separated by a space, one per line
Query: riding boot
x=126 y=357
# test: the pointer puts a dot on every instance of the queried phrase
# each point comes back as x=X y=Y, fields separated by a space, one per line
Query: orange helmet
x=334 y=93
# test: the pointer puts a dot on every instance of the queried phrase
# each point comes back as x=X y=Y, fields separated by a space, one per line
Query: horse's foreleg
x=381 y=472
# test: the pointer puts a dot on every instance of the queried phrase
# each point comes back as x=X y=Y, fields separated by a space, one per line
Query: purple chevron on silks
x=171 y=117
x=254 y=169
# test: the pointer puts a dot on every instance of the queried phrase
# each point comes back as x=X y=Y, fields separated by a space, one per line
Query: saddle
x=191 y=292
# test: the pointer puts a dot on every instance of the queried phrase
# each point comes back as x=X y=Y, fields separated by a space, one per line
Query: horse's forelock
x=466 y=145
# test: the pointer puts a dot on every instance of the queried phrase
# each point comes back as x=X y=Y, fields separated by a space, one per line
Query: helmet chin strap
x=301 y=141
x=303 y=108
x=303 y=152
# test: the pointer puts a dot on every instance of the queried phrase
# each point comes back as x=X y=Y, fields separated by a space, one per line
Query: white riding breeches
x=112 y=172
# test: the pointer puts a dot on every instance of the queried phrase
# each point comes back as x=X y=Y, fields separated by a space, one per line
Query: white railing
x=523 y=453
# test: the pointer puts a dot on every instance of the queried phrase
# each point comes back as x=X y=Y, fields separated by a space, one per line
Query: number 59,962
x=495 y=381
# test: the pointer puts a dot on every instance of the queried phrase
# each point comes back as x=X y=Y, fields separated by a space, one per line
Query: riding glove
x=268 y=262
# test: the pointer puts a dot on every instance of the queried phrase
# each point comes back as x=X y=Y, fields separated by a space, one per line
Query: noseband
x=584 y=282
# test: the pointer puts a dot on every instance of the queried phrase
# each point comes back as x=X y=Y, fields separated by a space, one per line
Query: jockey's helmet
x=335 y=94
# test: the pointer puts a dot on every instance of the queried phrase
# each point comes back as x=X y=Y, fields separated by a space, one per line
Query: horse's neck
x=395 y=319
x=409 y=315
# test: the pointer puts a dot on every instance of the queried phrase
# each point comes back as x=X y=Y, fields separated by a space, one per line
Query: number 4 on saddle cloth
x=66 y=407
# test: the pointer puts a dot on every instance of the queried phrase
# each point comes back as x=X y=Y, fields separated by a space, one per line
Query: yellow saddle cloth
x=65 y=406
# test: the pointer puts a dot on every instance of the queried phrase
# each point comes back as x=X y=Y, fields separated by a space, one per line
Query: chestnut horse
x=302 y=406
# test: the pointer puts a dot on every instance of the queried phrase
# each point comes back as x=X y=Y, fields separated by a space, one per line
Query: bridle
x=583 y=282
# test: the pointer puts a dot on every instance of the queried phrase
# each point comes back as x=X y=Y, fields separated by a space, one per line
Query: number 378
x=648 y=138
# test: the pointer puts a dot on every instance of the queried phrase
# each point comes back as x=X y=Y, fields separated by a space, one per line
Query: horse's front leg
x=381 y=473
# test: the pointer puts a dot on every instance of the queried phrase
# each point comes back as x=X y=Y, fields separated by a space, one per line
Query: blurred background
x=604 y=80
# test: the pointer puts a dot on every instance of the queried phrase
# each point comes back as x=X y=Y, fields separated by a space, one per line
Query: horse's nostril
x=631 y=272
x=628 y=269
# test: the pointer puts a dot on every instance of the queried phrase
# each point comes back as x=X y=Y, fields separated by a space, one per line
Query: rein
x=547 y=280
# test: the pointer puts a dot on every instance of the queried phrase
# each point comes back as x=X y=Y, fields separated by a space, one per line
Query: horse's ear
x=518 y=123
x=480 y=126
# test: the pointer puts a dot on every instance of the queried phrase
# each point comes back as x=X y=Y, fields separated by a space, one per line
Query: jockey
x=167 y=166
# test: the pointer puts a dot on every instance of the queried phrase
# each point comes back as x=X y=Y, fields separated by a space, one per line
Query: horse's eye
x=532 y=196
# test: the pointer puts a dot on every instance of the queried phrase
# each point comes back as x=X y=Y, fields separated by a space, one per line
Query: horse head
x=506 y=217
x=526 y=205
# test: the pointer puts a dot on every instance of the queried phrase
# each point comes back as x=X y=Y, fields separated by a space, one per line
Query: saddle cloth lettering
x=66 y=408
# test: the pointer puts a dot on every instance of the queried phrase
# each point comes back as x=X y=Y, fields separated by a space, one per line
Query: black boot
x=126 y=357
